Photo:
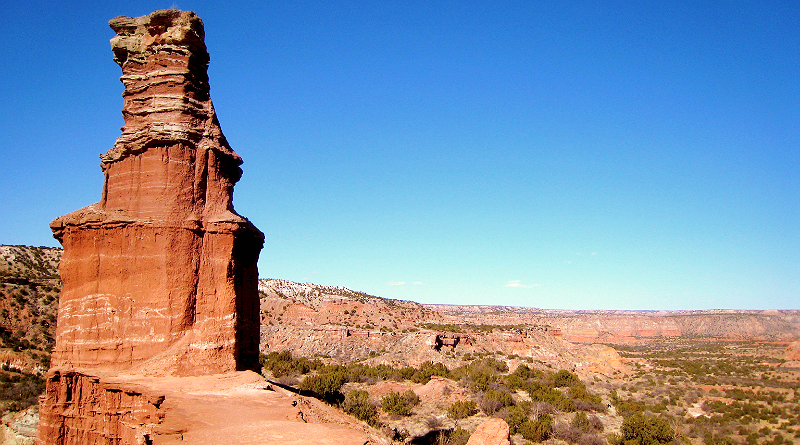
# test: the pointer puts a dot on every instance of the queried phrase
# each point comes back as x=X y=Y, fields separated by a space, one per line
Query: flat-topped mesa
x=160 y=275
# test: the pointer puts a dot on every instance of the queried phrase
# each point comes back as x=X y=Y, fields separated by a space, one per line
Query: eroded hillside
x=344 y=326
x=29 y=288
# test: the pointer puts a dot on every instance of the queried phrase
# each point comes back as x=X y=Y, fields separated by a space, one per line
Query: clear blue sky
x=588 y=155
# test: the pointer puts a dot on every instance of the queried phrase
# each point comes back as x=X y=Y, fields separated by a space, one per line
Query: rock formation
x=492 y=432
x=158 y=319
x=161 y=273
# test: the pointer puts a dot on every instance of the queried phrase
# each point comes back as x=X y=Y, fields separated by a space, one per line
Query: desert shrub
x=282 y=363
x=567 y=433
x=325 y=386
x=411 y=398
x=480 y=373
x=578 y=391
x=627 y=407
x=480 y=380
x=565 y=378
x=394 y=403
x=583 y=405
x=516 y=415
x=639 y=429
x=713 y=439
x=493 y=401
x=591 y=439
x=514 y=382
x=537 y=430
x=457 y=436
x=490 y=364
x=427 y=370
x=524 y=372
x=19 y=390
x=357 y=404
x=579 y=431
x=580 y=421
x=596 y=424
x=542 y=393
x=462 y=409
x=566 y=405
x=403 y=374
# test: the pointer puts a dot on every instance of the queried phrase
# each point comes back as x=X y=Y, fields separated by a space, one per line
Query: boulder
x=492 y=432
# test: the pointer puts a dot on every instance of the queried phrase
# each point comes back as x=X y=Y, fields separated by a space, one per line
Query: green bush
x=457 y=436
x=282 y=363
x=516 y=416
x=325 y=386
x=394 y=403
x=537 y=430
x=357 y=404
x=565 y=378
x=462 y=409
x=639 y=429
x=581 y=421
x=428 y=369
x=493 y=401
x=525 y=373
x=19 y=390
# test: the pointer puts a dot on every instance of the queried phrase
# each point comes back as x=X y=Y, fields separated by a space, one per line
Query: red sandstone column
x=160 y=275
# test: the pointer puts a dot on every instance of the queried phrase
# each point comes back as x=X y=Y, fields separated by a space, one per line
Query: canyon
x=342 y=326
x=157 y=329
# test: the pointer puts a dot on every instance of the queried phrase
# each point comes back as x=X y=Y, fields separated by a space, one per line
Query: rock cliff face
x=84 y=409
x=161 y=273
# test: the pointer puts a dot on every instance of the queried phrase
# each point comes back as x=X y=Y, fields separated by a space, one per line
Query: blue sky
x=578 y=155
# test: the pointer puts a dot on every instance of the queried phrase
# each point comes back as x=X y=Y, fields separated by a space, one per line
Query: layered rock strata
x=160 y=275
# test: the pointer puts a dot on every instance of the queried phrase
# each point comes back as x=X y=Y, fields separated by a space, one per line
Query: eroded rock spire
x=160 y=275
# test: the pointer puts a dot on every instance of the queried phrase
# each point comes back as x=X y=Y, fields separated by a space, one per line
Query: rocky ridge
x=344 y=326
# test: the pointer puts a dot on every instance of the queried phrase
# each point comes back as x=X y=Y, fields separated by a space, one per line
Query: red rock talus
x=160 y=275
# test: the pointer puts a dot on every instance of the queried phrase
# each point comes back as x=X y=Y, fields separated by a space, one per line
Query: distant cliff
x=623 y=326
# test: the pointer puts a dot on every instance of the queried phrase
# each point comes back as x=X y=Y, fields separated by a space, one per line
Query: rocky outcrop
x=448 y=339
x=160 y=276
x=19 y=428
x=78 y=408
x=492 y=432
x=161 y=273
x=237 y=407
